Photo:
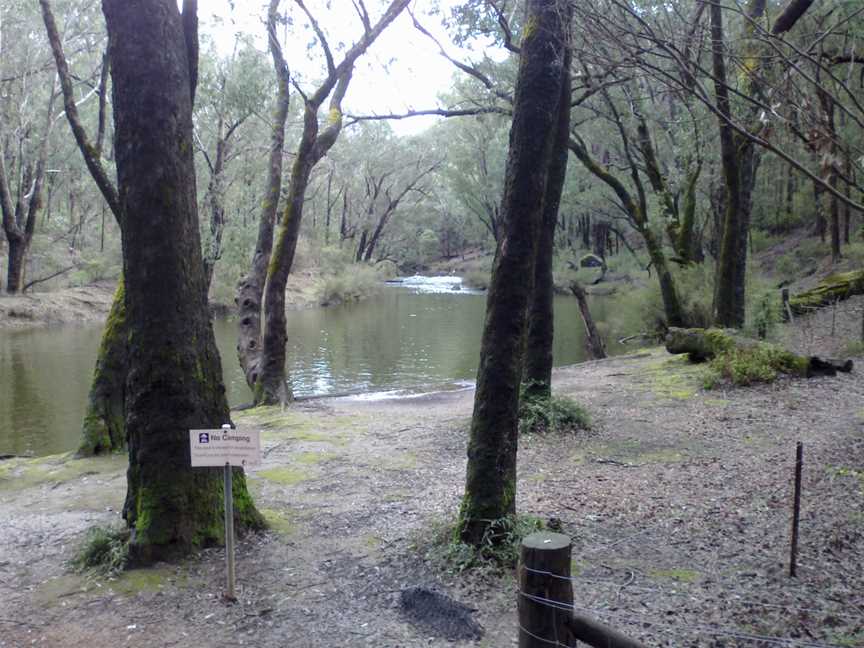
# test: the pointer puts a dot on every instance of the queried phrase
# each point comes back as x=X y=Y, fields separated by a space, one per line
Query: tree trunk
x=251 y=288
x=174 y=379
x=104 y=428
x=273 y=385
x=18 y=246
x=490 y=488
x=593 y=340
x=538 y=351
x=731 y=267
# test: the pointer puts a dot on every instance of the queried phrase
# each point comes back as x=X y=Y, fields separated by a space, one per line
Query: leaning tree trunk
x=490 y=487
x=174 y=379
x=593 y=340
x=538 y=351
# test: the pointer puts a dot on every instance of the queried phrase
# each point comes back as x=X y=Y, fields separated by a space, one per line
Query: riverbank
x=678 y=503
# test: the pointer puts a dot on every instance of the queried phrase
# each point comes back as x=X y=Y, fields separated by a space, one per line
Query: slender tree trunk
x=251 y=288
x=103 y=429
x=273 y=384
x=538 y=353
x=490 y=487
x=18 y=246
x=731 y=266
x=790 y=197
x=174 y=379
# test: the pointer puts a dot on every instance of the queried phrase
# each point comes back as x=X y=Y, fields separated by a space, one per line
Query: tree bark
x=174 y=379
x=593 y=340
x=490 y=488
x=251 y=288
x=538 y=352
x=104 y=428
x=273 y=385
x=729 y=297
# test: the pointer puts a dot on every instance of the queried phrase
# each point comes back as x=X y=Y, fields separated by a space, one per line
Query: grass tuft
x=498 y=550
x=557 y=414
x=105 y=551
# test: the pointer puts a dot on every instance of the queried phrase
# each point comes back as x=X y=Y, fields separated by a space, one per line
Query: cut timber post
x=546 y=599
x=545 y=590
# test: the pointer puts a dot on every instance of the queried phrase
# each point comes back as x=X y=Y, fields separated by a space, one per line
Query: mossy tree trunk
x=104 y=428
x=490 y=488
x=174 y=379
x=251 y=288
x=538 y=352
x=729 y=289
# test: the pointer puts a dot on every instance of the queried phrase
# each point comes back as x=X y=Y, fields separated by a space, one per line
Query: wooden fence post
x=545 y=591
x=546 y=617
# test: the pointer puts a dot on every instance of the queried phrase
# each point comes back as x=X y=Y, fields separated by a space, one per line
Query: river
x=419 y=335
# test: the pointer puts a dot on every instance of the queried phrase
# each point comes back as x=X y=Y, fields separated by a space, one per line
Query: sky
x=403 y=70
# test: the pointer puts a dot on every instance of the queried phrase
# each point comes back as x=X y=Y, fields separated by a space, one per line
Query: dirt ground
x=678 y=503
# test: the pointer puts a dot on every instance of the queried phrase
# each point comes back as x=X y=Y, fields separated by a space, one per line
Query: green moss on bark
x=104 y=428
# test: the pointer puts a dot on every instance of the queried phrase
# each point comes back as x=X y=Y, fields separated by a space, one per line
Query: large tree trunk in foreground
x=490 y=488
x=174 y=379
x=538 y=352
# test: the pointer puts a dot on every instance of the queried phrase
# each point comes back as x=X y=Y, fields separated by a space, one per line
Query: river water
x=419 y=335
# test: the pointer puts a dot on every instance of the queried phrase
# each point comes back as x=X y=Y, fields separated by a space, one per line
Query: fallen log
x=746 y=360
x=833 y=288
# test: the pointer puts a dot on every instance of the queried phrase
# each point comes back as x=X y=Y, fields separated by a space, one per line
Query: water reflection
x=406 y=338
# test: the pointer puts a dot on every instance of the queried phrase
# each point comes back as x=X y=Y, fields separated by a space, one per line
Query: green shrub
x=498 y=549
x=759 y=363
x=105 y=551
x=557 y=414
x=353 y=283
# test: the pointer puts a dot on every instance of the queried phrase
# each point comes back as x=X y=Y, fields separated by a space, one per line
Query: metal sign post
x=229 y=526
x=222 y=448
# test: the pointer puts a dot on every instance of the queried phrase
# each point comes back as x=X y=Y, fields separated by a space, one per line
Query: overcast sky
x=402 y=70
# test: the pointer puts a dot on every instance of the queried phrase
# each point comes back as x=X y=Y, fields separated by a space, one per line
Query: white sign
x=226 y=446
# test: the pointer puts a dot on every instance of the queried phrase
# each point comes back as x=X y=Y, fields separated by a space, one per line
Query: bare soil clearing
x=678 y=503
x=88 y=304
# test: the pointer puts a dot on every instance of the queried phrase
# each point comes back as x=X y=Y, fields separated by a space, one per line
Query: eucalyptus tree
x=269 y=378
x=490 y=488
x=26 y=118
x=232 y=90
x=174 y=380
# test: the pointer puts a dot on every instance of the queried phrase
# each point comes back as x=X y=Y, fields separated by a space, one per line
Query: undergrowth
x=105 y=551
x=757 y=364
x=498 y=550
x=557 y=414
